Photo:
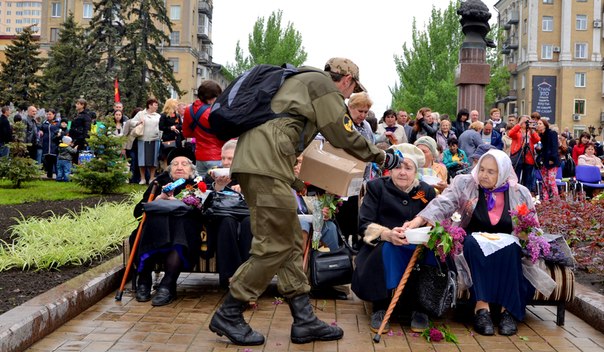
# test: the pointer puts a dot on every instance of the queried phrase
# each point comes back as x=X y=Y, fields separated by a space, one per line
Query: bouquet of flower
x=526 y=228
x=330 y=201
x=194 y=195
x=446 y=239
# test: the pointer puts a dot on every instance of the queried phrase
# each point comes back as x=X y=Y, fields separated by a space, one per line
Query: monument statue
x=474 y=21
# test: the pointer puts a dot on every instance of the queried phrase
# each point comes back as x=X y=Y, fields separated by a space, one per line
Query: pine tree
x=18 y=167
x=19 y=82
x=108 y=170
x=67 y=60
x=149 y=73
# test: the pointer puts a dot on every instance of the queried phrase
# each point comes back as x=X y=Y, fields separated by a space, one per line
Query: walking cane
x=120 y=292
x=399 y=290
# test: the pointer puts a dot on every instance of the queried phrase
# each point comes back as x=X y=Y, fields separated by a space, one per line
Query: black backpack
x=246 y=102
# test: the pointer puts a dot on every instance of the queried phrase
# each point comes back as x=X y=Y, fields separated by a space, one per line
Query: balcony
x=513 y=68
x=204 y=57
x=513 y=18
x=204 y=33
x=511 y=43
x=205 y=6
x=507 y=26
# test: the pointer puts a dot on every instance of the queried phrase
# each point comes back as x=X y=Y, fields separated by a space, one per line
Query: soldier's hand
x=393 y=159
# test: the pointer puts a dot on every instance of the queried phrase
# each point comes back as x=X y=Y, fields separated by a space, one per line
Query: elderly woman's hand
x=413 y=224
x=440 y=186
x=220 y=182
x=166 y=196
x=396 y=236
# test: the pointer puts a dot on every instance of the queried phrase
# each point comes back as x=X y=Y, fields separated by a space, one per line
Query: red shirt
x=207 y=146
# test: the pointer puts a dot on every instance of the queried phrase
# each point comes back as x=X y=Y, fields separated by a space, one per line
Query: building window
x=175 y=12
x=8 y=20
x=55 y=9
x=579 y=106
x=547 y=25
x=581 y=23
x=548 y=1
x=580 y=79
x=547 y=52
x=88 y=10
x=523 y=82
x=175 y=38
x=54 y=35
x=580 y=51
x=173 y=93
x=173 y=61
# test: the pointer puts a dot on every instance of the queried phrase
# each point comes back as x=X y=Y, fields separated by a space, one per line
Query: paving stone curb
x=28 y=323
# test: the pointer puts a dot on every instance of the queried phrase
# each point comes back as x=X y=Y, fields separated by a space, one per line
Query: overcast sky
x=368 y=32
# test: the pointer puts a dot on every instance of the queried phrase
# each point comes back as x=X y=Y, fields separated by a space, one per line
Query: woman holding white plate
x=484 y=199
x=385 y=252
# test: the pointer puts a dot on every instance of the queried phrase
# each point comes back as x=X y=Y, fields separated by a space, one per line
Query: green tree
x=67 y=59
x=18 y=167
x=105 y=37
x=270 y=45
x=149 y=73
x=107 y=171
x=426 y=69
x=499 y=85
x=19 y=80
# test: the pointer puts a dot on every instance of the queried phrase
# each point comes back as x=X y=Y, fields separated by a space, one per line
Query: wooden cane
x=305 y=259
x=120 y=291
x=399 y=290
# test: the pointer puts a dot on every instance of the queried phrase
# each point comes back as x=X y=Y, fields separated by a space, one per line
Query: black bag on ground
x=225 y=203
x=332 y=268
x=435 y=289
x=246 y=102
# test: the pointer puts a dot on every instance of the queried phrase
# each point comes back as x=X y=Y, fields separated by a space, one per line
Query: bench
x=563 y=276
x=562 y=294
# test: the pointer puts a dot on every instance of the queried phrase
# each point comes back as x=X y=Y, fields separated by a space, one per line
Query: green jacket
x=316 y=105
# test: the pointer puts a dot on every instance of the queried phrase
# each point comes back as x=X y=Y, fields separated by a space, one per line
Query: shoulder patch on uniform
x=347 y=122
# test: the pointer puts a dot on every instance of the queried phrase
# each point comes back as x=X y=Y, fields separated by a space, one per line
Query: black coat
x=80 y=127
x=549 y=149
x=386 y=205
x=459 y=127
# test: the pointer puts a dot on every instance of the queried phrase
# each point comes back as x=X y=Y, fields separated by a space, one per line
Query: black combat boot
x=228 y=321
x=307 y=327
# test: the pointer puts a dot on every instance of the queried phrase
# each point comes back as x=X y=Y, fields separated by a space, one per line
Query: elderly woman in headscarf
x=432 y=168
x=484 y=199
x=385 y=252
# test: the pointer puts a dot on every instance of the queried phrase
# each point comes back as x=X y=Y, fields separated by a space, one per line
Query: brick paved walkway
x=183 y=326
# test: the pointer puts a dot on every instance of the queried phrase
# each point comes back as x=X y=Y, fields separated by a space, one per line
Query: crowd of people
x=419 y=171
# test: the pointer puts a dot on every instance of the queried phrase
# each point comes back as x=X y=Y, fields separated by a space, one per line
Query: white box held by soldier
x=332 y=169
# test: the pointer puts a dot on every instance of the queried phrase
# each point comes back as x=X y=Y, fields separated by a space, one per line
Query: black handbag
x=435 y=290
x=225 y=203
x=569 y=166
x=332 y=268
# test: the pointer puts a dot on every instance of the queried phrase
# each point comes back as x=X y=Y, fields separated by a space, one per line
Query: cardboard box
x=332 y=169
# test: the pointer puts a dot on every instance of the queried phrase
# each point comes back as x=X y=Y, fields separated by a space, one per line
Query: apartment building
x=189 y=50
x=553 y=50
x=17 y=14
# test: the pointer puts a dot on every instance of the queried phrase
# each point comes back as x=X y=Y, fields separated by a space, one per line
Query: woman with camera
x=522 y=151
x=548 y=159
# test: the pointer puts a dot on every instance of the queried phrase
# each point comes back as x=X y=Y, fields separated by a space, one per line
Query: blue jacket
x=49 y=139
x=448 y=158
x=496 y=140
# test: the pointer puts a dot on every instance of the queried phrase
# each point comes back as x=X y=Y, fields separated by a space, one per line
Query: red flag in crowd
x=117 y=91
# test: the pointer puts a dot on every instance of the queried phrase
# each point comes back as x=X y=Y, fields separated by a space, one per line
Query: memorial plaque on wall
x=544 y=96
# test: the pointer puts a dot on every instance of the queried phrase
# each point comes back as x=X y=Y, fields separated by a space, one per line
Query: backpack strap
x=195 y=116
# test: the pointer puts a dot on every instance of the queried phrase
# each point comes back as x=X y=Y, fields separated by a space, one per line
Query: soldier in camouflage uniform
x=264 y=166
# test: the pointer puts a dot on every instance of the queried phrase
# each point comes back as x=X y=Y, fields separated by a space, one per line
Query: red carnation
x=202 y=186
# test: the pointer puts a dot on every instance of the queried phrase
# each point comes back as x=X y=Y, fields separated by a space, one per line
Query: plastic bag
x=464 y=276
x=540 y=279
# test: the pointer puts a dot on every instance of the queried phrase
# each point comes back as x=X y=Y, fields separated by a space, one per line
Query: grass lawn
x=49 y=190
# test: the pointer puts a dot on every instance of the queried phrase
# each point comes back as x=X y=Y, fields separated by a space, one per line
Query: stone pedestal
x=473 y=73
